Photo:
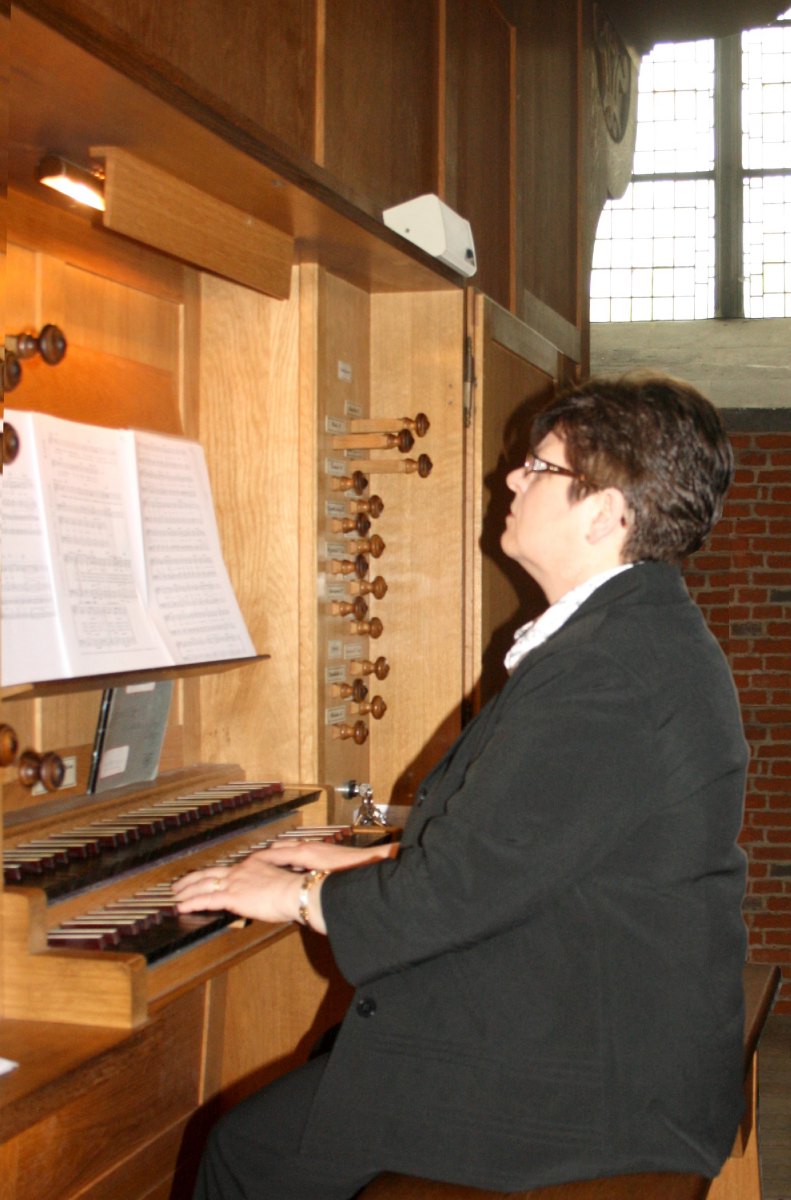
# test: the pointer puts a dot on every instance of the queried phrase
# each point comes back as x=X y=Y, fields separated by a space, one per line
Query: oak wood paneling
x=254 y=59
x=154 y=206
x=135 y=1082
x=480 y=88
x=547 y=156
x=249 y=427
x=380 y=103
x=276 y=1005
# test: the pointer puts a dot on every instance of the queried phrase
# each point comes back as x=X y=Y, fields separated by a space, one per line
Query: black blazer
x=550 y=974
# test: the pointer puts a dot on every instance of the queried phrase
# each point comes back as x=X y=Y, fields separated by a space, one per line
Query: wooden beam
x=152 y=206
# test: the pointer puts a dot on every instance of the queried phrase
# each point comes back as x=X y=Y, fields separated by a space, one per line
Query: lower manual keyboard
x=148 y=922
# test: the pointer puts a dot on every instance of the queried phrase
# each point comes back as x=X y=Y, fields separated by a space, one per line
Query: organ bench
x=739 y=1179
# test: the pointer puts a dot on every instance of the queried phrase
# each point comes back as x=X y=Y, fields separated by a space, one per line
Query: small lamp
x=77 y=183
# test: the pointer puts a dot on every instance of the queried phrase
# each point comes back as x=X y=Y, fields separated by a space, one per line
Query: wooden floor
x=774 y=1108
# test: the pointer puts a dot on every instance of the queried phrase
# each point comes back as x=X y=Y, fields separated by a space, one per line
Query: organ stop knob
x=380 y=668
x=373 y=628
x=376 y=707
x=358 y=731
x=356 y=608
x=9 y=744
x=362 y=587
x=47 y=769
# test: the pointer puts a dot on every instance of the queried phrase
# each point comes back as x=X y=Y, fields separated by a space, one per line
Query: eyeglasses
x=534 y=466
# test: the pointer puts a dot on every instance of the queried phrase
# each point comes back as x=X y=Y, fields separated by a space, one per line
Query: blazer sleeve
x=566 y=771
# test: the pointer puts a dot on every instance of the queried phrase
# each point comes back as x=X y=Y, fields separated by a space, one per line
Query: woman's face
x=544 y=527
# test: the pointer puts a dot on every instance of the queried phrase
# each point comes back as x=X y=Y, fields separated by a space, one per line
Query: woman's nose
x=514 y=478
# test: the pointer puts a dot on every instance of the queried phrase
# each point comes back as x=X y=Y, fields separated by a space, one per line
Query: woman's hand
x=265 y=886
x=251 y=888
x=322 y=856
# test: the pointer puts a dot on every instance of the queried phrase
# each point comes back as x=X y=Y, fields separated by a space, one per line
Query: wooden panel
x=249 y=426
x=134 y=1082
x=42 y=223
x=148 y=1173
x=123 y=356
x=224 y=53
x=275 y=1006
x=380 y=104
x=18 y=797
x=155 y=207
x=50 y=1057
x=416 y=365
x=87 y=988
x=509 y=388
x=480 y=94
x=548 y=150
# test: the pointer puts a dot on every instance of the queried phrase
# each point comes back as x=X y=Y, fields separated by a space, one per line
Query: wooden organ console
x=324 y=365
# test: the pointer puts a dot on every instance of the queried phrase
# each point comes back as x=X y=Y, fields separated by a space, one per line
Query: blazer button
x=366 y=1006
x=421 y=796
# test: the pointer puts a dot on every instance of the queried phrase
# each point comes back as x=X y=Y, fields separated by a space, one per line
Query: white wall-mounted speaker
x=435 y=228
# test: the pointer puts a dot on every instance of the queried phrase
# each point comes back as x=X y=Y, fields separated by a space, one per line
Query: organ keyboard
x=92 y=934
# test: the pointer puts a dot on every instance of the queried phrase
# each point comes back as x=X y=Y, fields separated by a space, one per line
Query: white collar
x=536 y=632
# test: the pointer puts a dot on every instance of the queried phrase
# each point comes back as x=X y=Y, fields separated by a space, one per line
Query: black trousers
x=253 y=1151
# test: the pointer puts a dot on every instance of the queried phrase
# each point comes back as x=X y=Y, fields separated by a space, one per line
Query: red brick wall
x=742 y=581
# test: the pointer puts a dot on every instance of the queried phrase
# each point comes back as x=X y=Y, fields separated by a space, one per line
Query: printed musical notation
x=111 y=555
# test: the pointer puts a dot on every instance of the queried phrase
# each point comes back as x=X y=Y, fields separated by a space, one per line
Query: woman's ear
x=610 y=518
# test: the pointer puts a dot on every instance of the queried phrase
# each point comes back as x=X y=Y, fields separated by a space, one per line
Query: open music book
x=111 y=556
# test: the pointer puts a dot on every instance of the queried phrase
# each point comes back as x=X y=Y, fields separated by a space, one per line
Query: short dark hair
x=657 y=440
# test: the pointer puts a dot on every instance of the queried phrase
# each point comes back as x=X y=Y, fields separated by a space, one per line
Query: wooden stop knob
x=12 y=371
x=359 y=524
x=51 y=344
x=356 y=608
x=380 y=668
x=52 y=771
x=28 y=768
x=10 y=443
x=9 y=745
x=47 y=769
x=374 y=505
x=350 y=483
x=376 y=587
x=372 y=545
x=373 y=628
x=356 y=691
x=358 y=731
x=375 y=706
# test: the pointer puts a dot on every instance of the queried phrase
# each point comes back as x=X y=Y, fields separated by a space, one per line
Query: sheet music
x=111 y=556
x=188 y=591
x=32 y=647
x=85 y=485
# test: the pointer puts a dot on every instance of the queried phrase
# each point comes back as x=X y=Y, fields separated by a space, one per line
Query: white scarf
x=536 y=632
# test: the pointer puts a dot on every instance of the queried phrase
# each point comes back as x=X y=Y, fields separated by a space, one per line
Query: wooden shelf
x=89 y=683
